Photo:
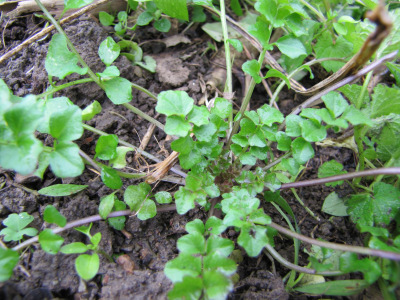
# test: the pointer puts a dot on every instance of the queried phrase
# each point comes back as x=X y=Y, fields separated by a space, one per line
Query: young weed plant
x=229 y=156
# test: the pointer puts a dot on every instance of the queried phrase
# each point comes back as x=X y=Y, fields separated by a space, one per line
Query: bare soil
x=153 y=242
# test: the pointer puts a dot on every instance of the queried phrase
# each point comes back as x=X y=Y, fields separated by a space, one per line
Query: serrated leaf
x=106 y=147
x=15 y=227
x=222 y=108
x=183 y=265
x=50 y=242
x=183 y=145
x=355 y=116
x=215 y=225
x=52 y=215
x=110 y=178
x=360 y=209
x=216 y=285
x=204 y=133
x=189 y=288
x=174 y=103
x=188 y=160
x=385 y=100
x=87 y=265
x=221 y=246
x=118 y=90
x=60 y=62
x=302 y=150
x=331 y=168
x=65 y=160
x=386 y=202
x=253 y=239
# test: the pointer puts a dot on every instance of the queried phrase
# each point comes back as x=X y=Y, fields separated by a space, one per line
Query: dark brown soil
x=152 y=242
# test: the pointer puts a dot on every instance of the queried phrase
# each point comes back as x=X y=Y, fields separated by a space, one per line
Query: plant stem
x=335 y=246
x=297 y=268
x=245 y=101
x=91 y=219
x=228 y=83
x=63 y=86
x=277 y=161
x=143 y=115
x=373 y=172
x=314 y=10
x=310 y=212
x=146 y=91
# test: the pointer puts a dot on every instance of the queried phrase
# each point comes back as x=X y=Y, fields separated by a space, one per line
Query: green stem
x=63 y=86
x=228 y=84
x=314 y=10
x=277 y=161
x=146 y=91
x=143 y=115
x=246 y=101
x=310 y=212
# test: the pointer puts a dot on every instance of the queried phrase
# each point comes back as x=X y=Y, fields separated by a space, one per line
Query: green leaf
x=326 y=47
x=253 y=239
x=269 y=115
x=291 y=165
x=60 y=62
x=117 y=223
x=222 y=108
x=105 y=18
x=118 y=90
x=195 y=226
x=355 y=116
x=119 y=161
x=184 y=200
x=50 y=242
x=360 y=209
x=106 y=147
x=271 y=11
x=302 y=150
x=8 y=260
x=134 y=54
x=73 y=4
x=198 y=15
x=216 y=285
x=219 y=246
x=15 y=227
x=349 y=262
x=386 y=202
x=189 y=288
x=176 y=103
x=52 y=215
x=175 y=9
x=135 y=195
x=199 y=115
x=65 y=160
x=109 y=73
x=110 y=178
x=188 y=160
x=95 y=240
x=183 y=145
x=162 y=25
x=91 y=110
x=335 y=288
x=204 y=133
x=395 y=70
x=259 y=217
x=236 y=44
x=149 y=64
x=144 y=18
x=66 y=125
x=109 y=51
x=106 y=205
x=193 y=243
x=276 y=73
x=284 y=141
x=331 y=168
x=87 y=265
x=177 y=125
x=291 y=46
x=335 y=103
x=293 y=128
x=385 y=100
x=59 y=190
x=183 y=265
x=74 y=248
x=252 y=67
x=262 y=32
x=214 y=226
x=148 y=210
x=334 y=206
x=84 y=229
